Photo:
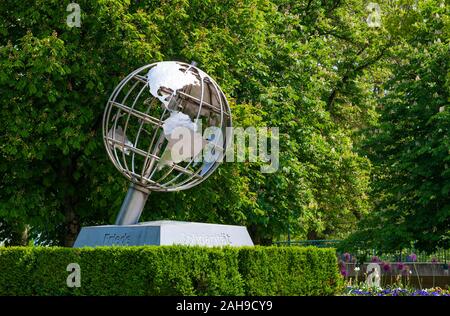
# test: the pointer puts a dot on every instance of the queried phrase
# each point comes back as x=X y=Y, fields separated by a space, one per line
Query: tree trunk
x=71 y=222
x=312 y=235
x=72 y=227
x=24 y=236
x=257 y=237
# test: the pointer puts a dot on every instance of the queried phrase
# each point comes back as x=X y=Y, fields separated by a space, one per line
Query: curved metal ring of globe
x=140 y=121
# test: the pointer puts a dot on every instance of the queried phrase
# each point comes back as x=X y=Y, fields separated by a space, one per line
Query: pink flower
x=347 y=257
x=386 y=266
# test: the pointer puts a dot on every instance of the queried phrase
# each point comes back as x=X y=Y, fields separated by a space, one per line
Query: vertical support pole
x=132 y=205
x=289 y=233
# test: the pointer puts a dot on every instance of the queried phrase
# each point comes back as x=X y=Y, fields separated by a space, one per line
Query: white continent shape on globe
x=169 y=75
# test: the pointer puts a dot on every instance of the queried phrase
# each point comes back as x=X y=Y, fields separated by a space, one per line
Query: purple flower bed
x=353 y=291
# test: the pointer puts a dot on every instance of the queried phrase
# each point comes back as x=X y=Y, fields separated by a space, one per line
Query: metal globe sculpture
x=165 y=129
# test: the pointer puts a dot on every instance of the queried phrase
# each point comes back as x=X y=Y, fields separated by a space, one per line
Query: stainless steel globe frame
x=134 y=113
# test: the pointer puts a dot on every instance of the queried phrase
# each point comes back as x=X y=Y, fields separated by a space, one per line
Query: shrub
x=170 y=270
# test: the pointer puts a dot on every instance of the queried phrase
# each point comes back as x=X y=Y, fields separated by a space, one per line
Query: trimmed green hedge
x=171 y=270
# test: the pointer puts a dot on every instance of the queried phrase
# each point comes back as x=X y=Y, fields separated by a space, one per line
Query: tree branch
x=352 y=73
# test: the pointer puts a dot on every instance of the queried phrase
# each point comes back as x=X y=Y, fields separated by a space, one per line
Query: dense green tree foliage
x=409 y=146
x=313 y=68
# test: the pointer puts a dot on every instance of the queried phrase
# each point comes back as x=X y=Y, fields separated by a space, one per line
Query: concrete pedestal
x=164 y=233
